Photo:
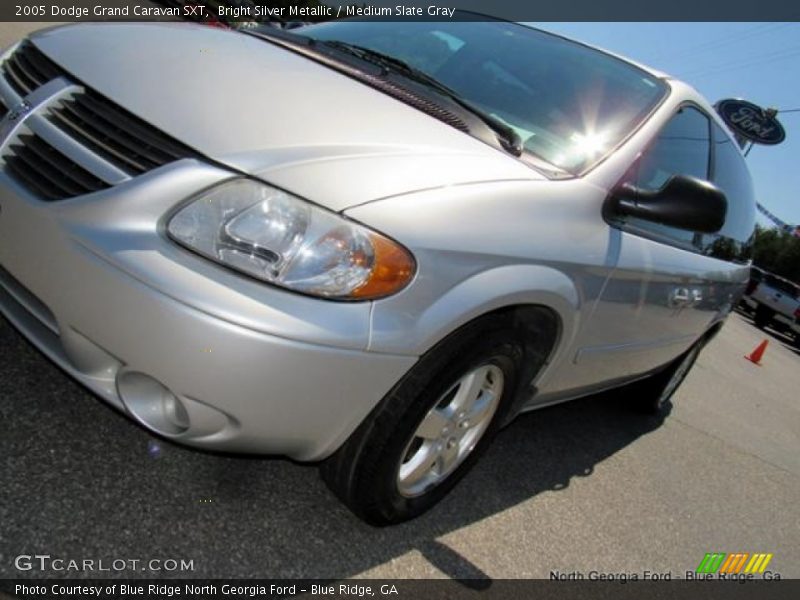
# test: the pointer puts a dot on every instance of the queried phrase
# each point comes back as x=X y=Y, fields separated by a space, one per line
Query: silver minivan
x=365 y=244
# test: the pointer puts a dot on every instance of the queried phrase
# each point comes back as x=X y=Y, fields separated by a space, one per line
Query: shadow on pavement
x=82 y=481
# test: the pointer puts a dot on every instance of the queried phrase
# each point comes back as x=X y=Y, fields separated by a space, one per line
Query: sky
x=759 y=62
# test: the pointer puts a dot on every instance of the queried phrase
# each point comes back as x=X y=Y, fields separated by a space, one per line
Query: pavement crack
x=737 y=448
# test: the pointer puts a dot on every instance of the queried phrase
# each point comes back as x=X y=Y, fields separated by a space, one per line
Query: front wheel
x=430 y=429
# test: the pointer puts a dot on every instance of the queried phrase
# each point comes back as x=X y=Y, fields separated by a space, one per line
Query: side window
x=682 y=148
x=730 y=174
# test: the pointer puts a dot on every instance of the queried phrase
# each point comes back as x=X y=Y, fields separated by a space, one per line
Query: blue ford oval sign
x=751 y=122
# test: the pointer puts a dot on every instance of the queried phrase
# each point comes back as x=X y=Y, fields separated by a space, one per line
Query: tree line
x=777 y=251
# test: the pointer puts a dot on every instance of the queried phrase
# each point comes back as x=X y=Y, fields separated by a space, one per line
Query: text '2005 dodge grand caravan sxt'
x=367 y=244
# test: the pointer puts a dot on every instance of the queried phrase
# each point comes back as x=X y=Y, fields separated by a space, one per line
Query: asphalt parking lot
x=584 y=486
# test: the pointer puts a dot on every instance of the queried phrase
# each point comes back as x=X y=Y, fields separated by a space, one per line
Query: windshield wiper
x=509 y=138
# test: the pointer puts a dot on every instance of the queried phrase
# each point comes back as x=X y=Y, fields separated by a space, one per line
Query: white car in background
x=774 y=302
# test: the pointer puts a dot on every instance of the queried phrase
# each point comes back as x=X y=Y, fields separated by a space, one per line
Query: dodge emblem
x=19 y=112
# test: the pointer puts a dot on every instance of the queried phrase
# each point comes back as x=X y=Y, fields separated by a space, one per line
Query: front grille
x=109 y=135
x=115 y=134
x=47 y=172
x=27 y=69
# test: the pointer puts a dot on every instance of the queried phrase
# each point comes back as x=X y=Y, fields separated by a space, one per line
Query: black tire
x=653 y=396
x=364 y=472
x=762 y=317
x=744 y=307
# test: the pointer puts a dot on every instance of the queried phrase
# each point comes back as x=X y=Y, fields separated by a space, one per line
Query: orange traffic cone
x=755 y=355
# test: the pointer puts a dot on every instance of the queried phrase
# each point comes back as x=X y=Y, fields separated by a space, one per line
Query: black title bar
x=313 y=10
x=413 y=589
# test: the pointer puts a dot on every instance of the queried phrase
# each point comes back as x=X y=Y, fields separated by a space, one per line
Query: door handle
x=679 y=297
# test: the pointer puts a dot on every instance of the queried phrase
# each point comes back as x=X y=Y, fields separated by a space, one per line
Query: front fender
x=400 y=327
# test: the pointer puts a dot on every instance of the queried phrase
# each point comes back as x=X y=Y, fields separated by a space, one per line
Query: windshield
x=569 y=104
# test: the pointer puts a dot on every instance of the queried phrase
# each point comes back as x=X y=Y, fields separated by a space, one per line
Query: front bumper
x=788 y=323
x=95 y=284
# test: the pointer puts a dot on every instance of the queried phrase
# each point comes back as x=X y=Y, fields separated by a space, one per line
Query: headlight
x=276 y=237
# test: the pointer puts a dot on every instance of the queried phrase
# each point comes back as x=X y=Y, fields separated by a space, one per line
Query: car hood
x=268 y=112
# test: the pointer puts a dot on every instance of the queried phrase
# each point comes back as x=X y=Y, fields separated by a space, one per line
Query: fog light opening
x=175 y=411
x=152 y=404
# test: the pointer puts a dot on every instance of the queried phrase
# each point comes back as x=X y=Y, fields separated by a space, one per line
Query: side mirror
x=684 y=202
